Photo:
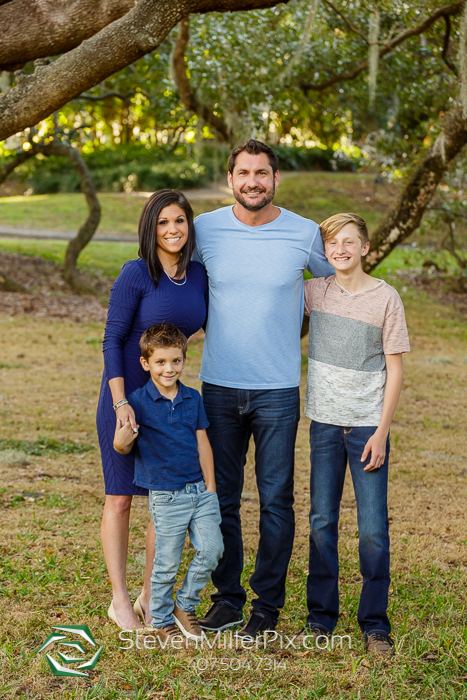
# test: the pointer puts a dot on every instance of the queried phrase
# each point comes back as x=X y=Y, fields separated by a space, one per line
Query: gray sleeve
x=196 y=256
x=196 y=253
x=317 y=263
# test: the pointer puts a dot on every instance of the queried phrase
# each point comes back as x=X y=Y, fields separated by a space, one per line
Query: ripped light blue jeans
x=195 y=509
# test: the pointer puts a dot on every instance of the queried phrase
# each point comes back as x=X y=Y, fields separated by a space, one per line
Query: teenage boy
x=173 y=456
x=357 y=336
x=255 y=254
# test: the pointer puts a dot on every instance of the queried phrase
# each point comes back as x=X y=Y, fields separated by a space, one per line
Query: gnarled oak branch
x=406 y=215
x=187 y=96
x=113 y=48
x=88 y=229
x=445 y=11
x=31 y=29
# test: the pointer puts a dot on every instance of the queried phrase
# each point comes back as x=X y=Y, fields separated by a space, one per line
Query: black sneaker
x=312 y=635
x=220 y=617
x=256 y=625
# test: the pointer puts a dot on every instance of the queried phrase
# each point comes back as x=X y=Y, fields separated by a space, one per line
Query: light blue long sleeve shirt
x=256 y=296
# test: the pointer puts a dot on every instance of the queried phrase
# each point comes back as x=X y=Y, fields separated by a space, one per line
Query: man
x=255 y=255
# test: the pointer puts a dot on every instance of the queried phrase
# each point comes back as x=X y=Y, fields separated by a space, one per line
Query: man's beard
x=268 y=197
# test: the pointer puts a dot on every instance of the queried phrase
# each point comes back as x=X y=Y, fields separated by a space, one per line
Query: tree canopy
x=382 y=78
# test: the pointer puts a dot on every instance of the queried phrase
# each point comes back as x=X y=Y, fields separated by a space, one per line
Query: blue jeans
x=271 y=416
x=331 y=448
x=173 y=513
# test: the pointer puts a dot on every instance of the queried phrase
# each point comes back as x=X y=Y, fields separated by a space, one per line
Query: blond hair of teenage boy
x=357 y=336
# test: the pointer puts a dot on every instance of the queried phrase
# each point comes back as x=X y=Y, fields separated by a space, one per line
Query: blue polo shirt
x=166 y=449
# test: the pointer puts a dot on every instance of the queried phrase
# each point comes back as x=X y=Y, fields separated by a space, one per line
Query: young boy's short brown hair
x=162 y=335
x=330 y=227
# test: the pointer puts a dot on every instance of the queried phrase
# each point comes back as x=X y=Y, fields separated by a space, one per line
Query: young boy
x=357 y=336
x=173 y=456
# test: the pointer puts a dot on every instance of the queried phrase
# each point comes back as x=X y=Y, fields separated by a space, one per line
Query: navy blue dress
x=134 y=305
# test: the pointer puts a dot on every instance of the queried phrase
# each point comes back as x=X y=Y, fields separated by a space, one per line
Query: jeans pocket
x=162 y=497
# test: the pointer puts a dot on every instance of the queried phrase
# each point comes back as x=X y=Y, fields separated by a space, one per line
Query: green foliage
x=127 y=168
x=44 y=446
x=145 y=139
x=123 y=169
x=302 y=158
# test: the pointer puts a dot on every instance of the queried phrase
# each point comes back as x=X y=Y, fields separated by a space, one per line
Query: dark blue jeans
x=331 y=448
x=271 y=416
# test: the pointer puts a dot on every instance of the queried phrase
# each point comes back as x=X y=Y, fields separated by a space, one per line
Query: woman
x=163 y=285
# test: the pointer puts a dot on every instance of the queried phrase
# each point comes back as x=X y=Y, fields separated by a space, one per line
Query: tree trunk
x=406 y=215
x=87 y=230
x=187 y=96
x=114 y=47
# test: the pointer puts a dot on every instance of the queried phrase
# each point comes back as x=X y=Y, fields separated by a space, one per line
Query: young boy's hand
x=124 y=437
x=377 y=446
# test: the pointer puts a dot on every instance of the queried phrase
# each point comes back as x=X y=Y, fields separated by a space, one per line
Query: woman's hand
x=125 y=413
x=124 y=437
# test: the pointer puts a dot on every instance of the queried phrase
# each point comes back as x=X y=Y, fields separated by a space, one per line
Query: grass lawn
x=315 y=195
x=51 y=493
x=53 y=571
x=108 y=258
x=101 y=257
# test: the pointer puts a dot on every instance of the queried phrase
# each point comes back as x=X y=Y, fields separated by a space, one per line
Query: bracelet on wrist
x=122 y=402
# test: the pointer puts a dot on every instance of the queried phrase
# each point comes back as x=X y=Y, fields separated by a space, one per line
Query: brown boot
x=167 y=634
x=188 y=623
x=380 y=643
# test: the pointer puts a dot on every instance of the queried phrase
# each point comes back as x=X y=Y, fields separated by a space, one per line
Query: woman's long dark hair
x=147 y=232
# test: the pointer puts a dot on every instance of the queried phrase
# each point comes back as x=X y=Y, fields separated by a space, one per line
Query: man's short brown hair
x=162 y=335
x=330 y=227
x=254 y=148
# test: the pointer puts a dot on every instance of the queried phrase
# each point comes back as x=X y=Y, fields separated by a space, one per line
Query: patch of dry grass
x=53 y=572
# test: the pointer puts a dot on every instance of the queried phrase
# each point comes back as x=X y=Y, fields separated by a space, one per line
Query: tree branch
x=87 y=230
x=347 y=21
x=31 y=29
x=445 y=11
x=444 y=55
x=116 y=46
x=407 y=213
x=309 y=24
x=9 y=167
x=187 y=96
x=107 y=96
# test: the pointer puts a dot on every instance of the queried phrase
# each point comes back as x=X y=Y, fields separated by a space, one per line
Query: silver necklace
x=178 y=284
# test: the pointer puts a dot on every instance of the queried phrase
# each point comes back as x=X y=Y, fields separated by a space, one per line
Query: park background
x=366 y=106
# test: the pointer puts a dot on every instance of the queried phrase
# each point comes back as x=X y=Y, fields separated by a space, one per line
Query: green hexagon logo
x=72 y=651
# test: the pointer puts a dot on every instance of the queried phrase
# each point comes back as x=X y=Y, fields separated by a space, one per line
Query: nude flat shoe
x=138 y=608
x=112 y=616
